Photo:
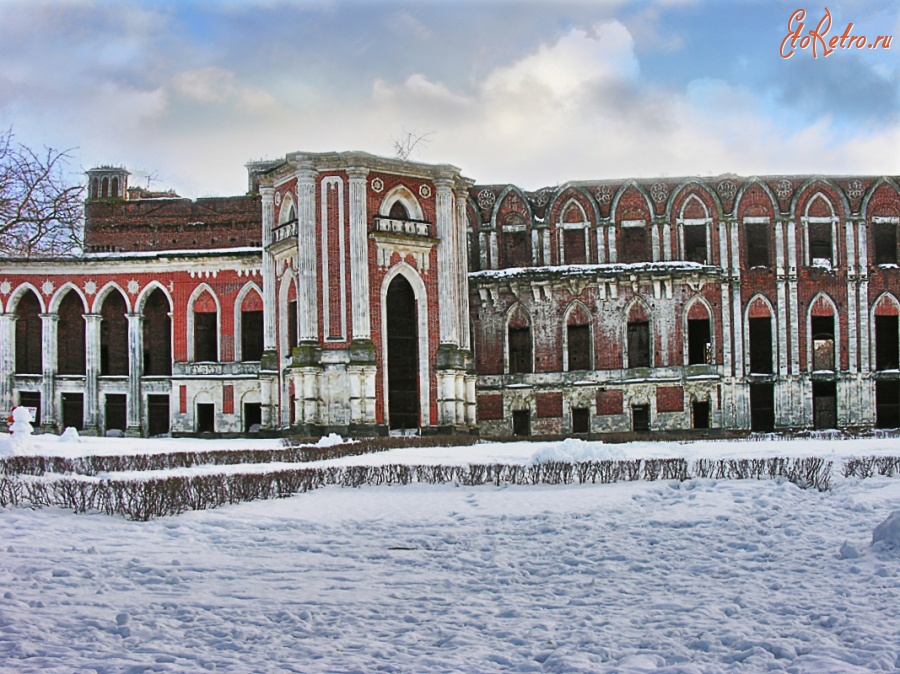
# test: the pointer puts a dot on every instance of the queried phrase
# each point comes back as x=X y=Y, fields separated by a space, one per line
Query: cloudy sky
x=534 y=93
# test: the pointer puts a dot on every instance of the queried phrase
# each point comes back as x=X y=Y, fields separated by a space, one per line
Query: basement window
x=699 y=345
x=760 y=345
x=638 y=344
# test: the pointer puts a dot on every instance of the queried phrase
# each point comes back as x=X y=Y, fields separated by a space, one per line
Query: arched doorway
x=402 y=355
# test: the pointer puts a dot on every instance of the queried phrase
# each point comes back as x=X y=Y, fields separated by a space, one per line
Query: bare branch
x=410 y=142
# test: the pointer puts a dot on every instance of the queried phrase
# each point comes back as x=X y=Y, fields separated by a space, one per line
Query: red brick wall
x=490 y=407
x=669 y=399
x=549 y=405
x=610 y=402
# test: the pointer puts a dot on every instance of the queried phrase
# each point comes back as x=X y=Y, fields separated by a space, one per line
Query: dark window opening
x=70 y=336
x=700 y=409
x=157 y=415
x=291 y=326
x=113 y=337
x=887 y=347
x=104 y=188
x=885 y=243
x=403 y=355
x=699 y=344
x=522 y=423
x=73 y=410
x=398 y=212
x=638 y=344
x=206 y=418
x=516 y=249
x=887 y=404
x=205 y=336
x=157 y=331
x=635 y=244
x=520 y=350
x=581 y=420
x=820 y=242
x=824 y=404
x=31 y=399
x=640 y=418
x=757 y=235
x=116 y=412
x=29 y=359
x=762 y=408
x=251 y=335
x=252 y=417
x=695 y=243
x=574 y=245
x=579 y=338
x=474 y=251
x=760 y=345
x=823 y=342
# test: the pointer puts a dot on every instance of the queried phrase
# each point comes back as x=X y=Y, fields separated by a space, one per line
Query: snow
x=888 y=532
x=694 y=577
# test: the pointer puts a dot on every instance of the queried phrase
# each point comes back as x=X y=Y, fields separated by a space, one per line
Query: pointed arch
x=698 y=332
x=690 y=186
x=519 y=342
x=113 y=306
x=248 y=323
x=578 y=341
x=406 y=197
x=518 y=243
x=421 y=299
x=750 y=185
x=287 y=212
x=70 y=306
x=27 y=306
x=154 y=304
x=16 y=295
x=204 y=333
x=105 y=291
x=503 y=196
x=141 y=300
x=823 y=339
x=287 y=314
x=60 y=294
x=623 y=188
x=760 y=330
x=573 y=226
x=816 y=185
x=873 y=188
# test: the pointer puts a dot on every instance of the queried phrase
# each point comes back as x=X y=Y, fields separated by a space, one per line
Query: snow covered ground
x=700 y=576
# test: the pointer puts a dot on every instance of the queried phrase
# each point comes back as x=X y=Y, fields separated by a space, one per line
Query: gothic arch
x=759 y=306
x=577 y=314
x=613 y=210
x=421 y=295
x=504 y=194
x=815 y=185
x=60 y=294
x=141 y=300
x=248 y=288
x=199 y=291
x=873 y=188
x=747 y=186
x=16 y=295
x=104 y=292
x=886 y=305
x=697 y=308
x=288 y=210
x=637 y=311
x=406 y=197
x=286 y=285
x=684 y=187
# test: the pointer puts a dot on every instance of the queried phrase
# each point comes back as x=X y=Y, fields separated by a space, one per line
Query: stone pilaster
x=307 y=271
x=7 y=361
x=359 y=263
x=462 y=281
x=448 y=269
x=268 y=269
x=92 y=370
x=135 y=372
x=49 y=330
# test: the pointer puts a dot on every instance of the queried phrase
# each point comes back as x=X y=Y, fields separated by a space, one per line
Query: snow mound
x=330 y=440
x=70 y=435
x=573 y=450
x=888 y=532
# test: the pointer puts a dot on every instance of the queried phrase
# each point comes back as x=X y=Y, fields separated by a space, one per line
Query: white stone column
x=359 y=258
x=7 y=361
x=92 y=370
x=462 y=277
x=307 y=272
x=667 y=241
x=135 y=372
x=735 y=250
x=448 y=285
x=268 y=269
x=49 y=330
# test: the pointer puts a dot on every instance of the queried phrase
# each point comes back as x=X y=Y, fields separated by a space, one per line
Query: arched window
x=699 y=335
x=887 y=334
x=515 y=242
x=104 y=189
x=70 y=335
x=759 y=331
x=579 y=354
x=157 y=329
x=206 y=330
x=519 y=342
x=29 y=358
x=638 y=336
x=398 y=212
x=114 y=189
x=251 y=327
x=113 y=336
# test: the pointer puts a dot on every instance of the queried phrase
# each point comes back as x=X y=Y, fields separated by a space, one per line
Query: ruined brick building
x=352 y=293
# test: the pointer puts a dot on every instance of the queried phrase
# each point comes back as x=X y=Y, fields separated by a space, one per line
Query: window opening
x=206 y=418
x=157 y=331
x=292 y=326
x=205 y=336
x=517 y=249
x=113 y=336
x=638 y=344
x=573 y=242
x=762 y=408
x=520 y=350
x=760 y=345
x=157 y=415
x=699 y=344
x=640 y=418
x=29 y=355
x=31 y=399
x=581 y=420
x=757 y=236
x=70 y=336
x=116 y=412
x=251 y=335
x=73 y=410
x=398 y=211
x=403 y=355
x=252 y=417
x=887 y=349
x=695 y=243
x=823 y=343
x=700 y=409
x=579 y=345
x=635 y=244
x=522 y=423
x=824 y=404
x=885 y=243
x=820 y=249
x=887 y=404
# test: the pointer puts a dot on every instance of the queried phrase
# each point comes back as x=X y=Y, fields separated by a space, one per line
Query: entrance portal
x=402 y=355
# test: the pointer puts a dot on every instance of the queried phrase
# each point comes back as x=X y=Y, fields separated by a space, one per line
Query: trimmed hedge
x=143 y=499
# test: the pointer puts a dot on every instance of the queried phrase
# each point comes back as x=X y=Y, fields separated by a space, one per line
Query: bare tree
x=40 y=210
x=409 y=142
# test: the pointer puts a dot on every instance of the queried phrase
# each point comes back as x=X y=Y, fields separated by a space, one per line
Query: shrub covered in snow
x=887 y=534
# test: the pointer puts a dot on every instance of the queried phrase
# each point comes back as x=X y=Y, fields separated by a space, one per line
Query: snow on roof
x=605 y=268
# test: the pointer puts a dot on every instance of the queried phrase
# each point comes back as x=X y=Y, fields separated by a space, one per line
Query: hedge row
x=144 y=499
x=867 y=466
x=293 y=451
